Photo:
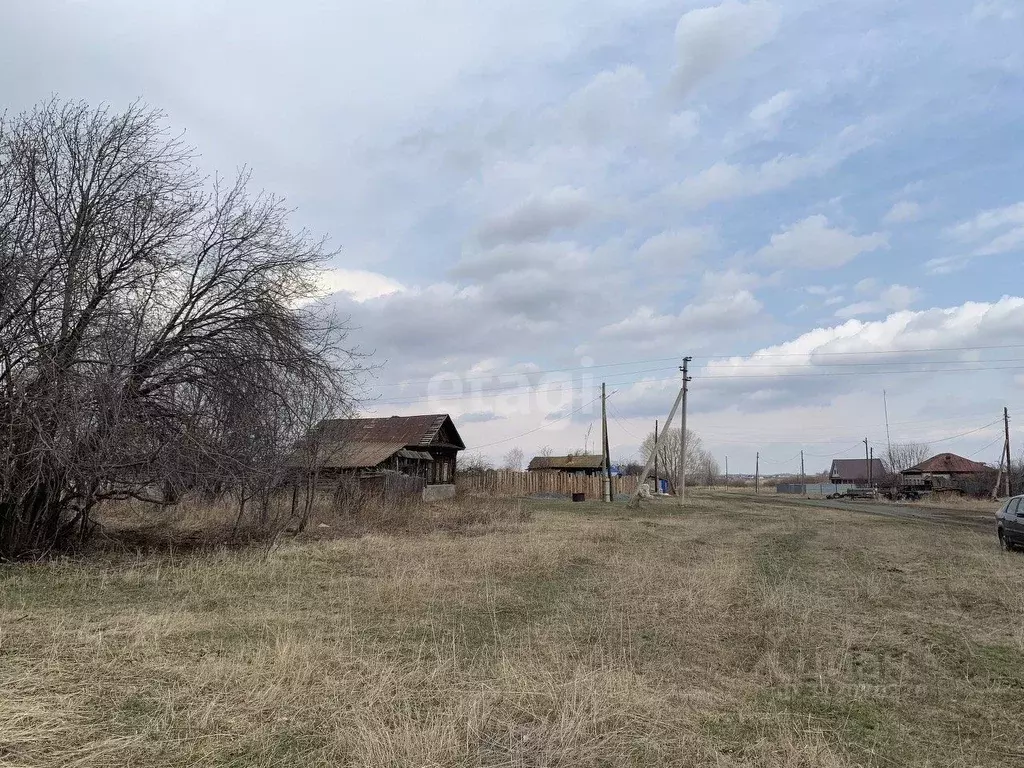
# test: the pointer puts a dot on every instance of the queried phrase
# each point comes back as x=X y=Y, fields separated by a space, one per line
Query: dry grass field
x=731 y=634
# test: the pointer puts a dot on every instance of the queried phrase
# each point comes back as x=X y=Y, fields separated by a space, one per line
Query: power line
x=527 y=388
x=776 y=461
x=859 y=442
x=982 y=450
x=837 y=453
x=753 y=356
x=964 y=434
x=757 y=356
x=623 y=426
x=543 y=426
x=814 y=364
x=863 y=373
x=520 y=389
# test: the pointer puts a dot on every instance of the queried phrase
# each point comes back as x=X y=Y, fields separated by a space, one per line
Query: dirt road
x=981 y=521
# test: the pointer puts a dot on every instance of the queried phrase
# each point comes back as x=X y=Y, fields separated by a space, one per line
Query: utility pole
x=657 y=482
x=757 y=473
x=682 y=433
x=803 y=480
x=999 y=475
x=606 y=469
x=647 y=467
x=1006 y=446
x=727 y=472
x=888 y=441
x=867 y=461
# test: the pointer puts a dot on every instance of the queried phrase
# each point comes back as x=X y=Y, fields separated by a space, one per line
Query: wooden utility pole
x=606 y=469
x=803 y=480
x=682 y=433
x=647 y=467
x=757 y=473
x=657 y=482
x=999 y=475
x=888 y=440
x=867 y=461
x=1006 y=447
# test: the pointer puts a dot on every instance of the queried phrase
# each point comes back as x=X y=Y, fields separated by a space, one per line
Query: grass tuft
x=728 y=633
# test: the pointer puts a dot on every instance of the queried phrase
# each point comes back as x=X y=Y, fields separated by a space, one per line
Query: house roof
x=947 y=464
x=584 y=461
x=409 y=431
x=856 y=469
x=360 y=443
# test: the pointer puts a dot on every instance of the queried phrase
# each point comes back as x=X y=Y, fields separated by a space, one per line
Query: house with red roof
x=944 y=470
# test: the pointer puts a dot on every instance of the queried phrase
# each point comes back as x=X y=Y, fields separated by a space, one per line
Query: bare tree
x=546 y=451
x=474 y=463
x=708 y=469
x=513 y=459
x=668 y=454
x=901 y=456
x=153 y=328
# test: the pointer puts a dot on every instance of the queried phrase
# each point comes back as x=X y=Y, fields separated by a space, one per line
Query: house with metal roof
x=856 y=471
x=419 y=446
x=578 y=464
x=943 y=470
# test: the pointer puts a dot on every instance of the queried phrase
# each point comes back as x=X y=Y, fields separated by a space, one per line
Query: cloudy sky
x=817 y=199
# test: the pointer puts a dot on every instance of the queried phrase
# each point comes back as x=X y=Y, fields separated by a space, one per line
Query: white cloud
x=765 y=379
x=361 y=285
x=1012 y=240
x=946 y=265
x=891 y=299
x=768 y=114
x=902 y=212
x=812 y=243
x=685 y=125
x=709 y=39
x=716 y=314
x=988 y=221
x=675 y=249
x=867 y=285
x=822 y=290
x=728 y=181
x=613 y=108
x=1001 y=10
x=718 y=284
x=989 y=233
x=971 y=323
x=539 y=216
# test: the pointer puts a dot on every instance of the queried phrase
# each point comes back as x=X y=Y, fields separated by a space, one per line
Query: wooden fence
x=510 y=483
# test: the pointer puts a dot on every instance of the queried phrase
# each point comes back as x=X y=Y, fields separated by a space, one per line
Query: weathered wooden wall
x=507 y=482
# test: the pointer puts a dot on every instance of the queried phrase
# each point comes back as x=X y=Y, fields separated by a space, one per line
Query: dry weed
x=728 y=634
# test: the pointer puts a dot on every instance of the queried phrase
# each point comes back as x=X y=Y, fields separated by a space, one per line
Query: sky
x=818 y=201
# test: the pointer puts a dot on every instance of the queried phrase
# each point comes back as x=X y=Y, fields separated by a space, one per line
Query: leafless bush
x=701 y=465
x=901 y=456
x=513 y=459
x=153 y=338
x=474 y=462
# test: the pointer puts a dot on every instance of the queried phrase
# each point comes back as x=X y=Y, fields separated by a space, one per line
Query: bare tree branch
x=153 y=325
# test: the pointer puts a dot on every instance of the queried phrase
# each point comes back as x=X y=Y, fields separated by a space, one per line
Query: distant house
x=584 y=464
x=943 y=470
x=856 y=471
x=418 y=446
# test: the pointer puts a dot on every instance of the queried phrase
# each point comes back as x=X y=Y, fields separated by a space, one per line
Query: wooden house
x=582 y=464
x=416 y=446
